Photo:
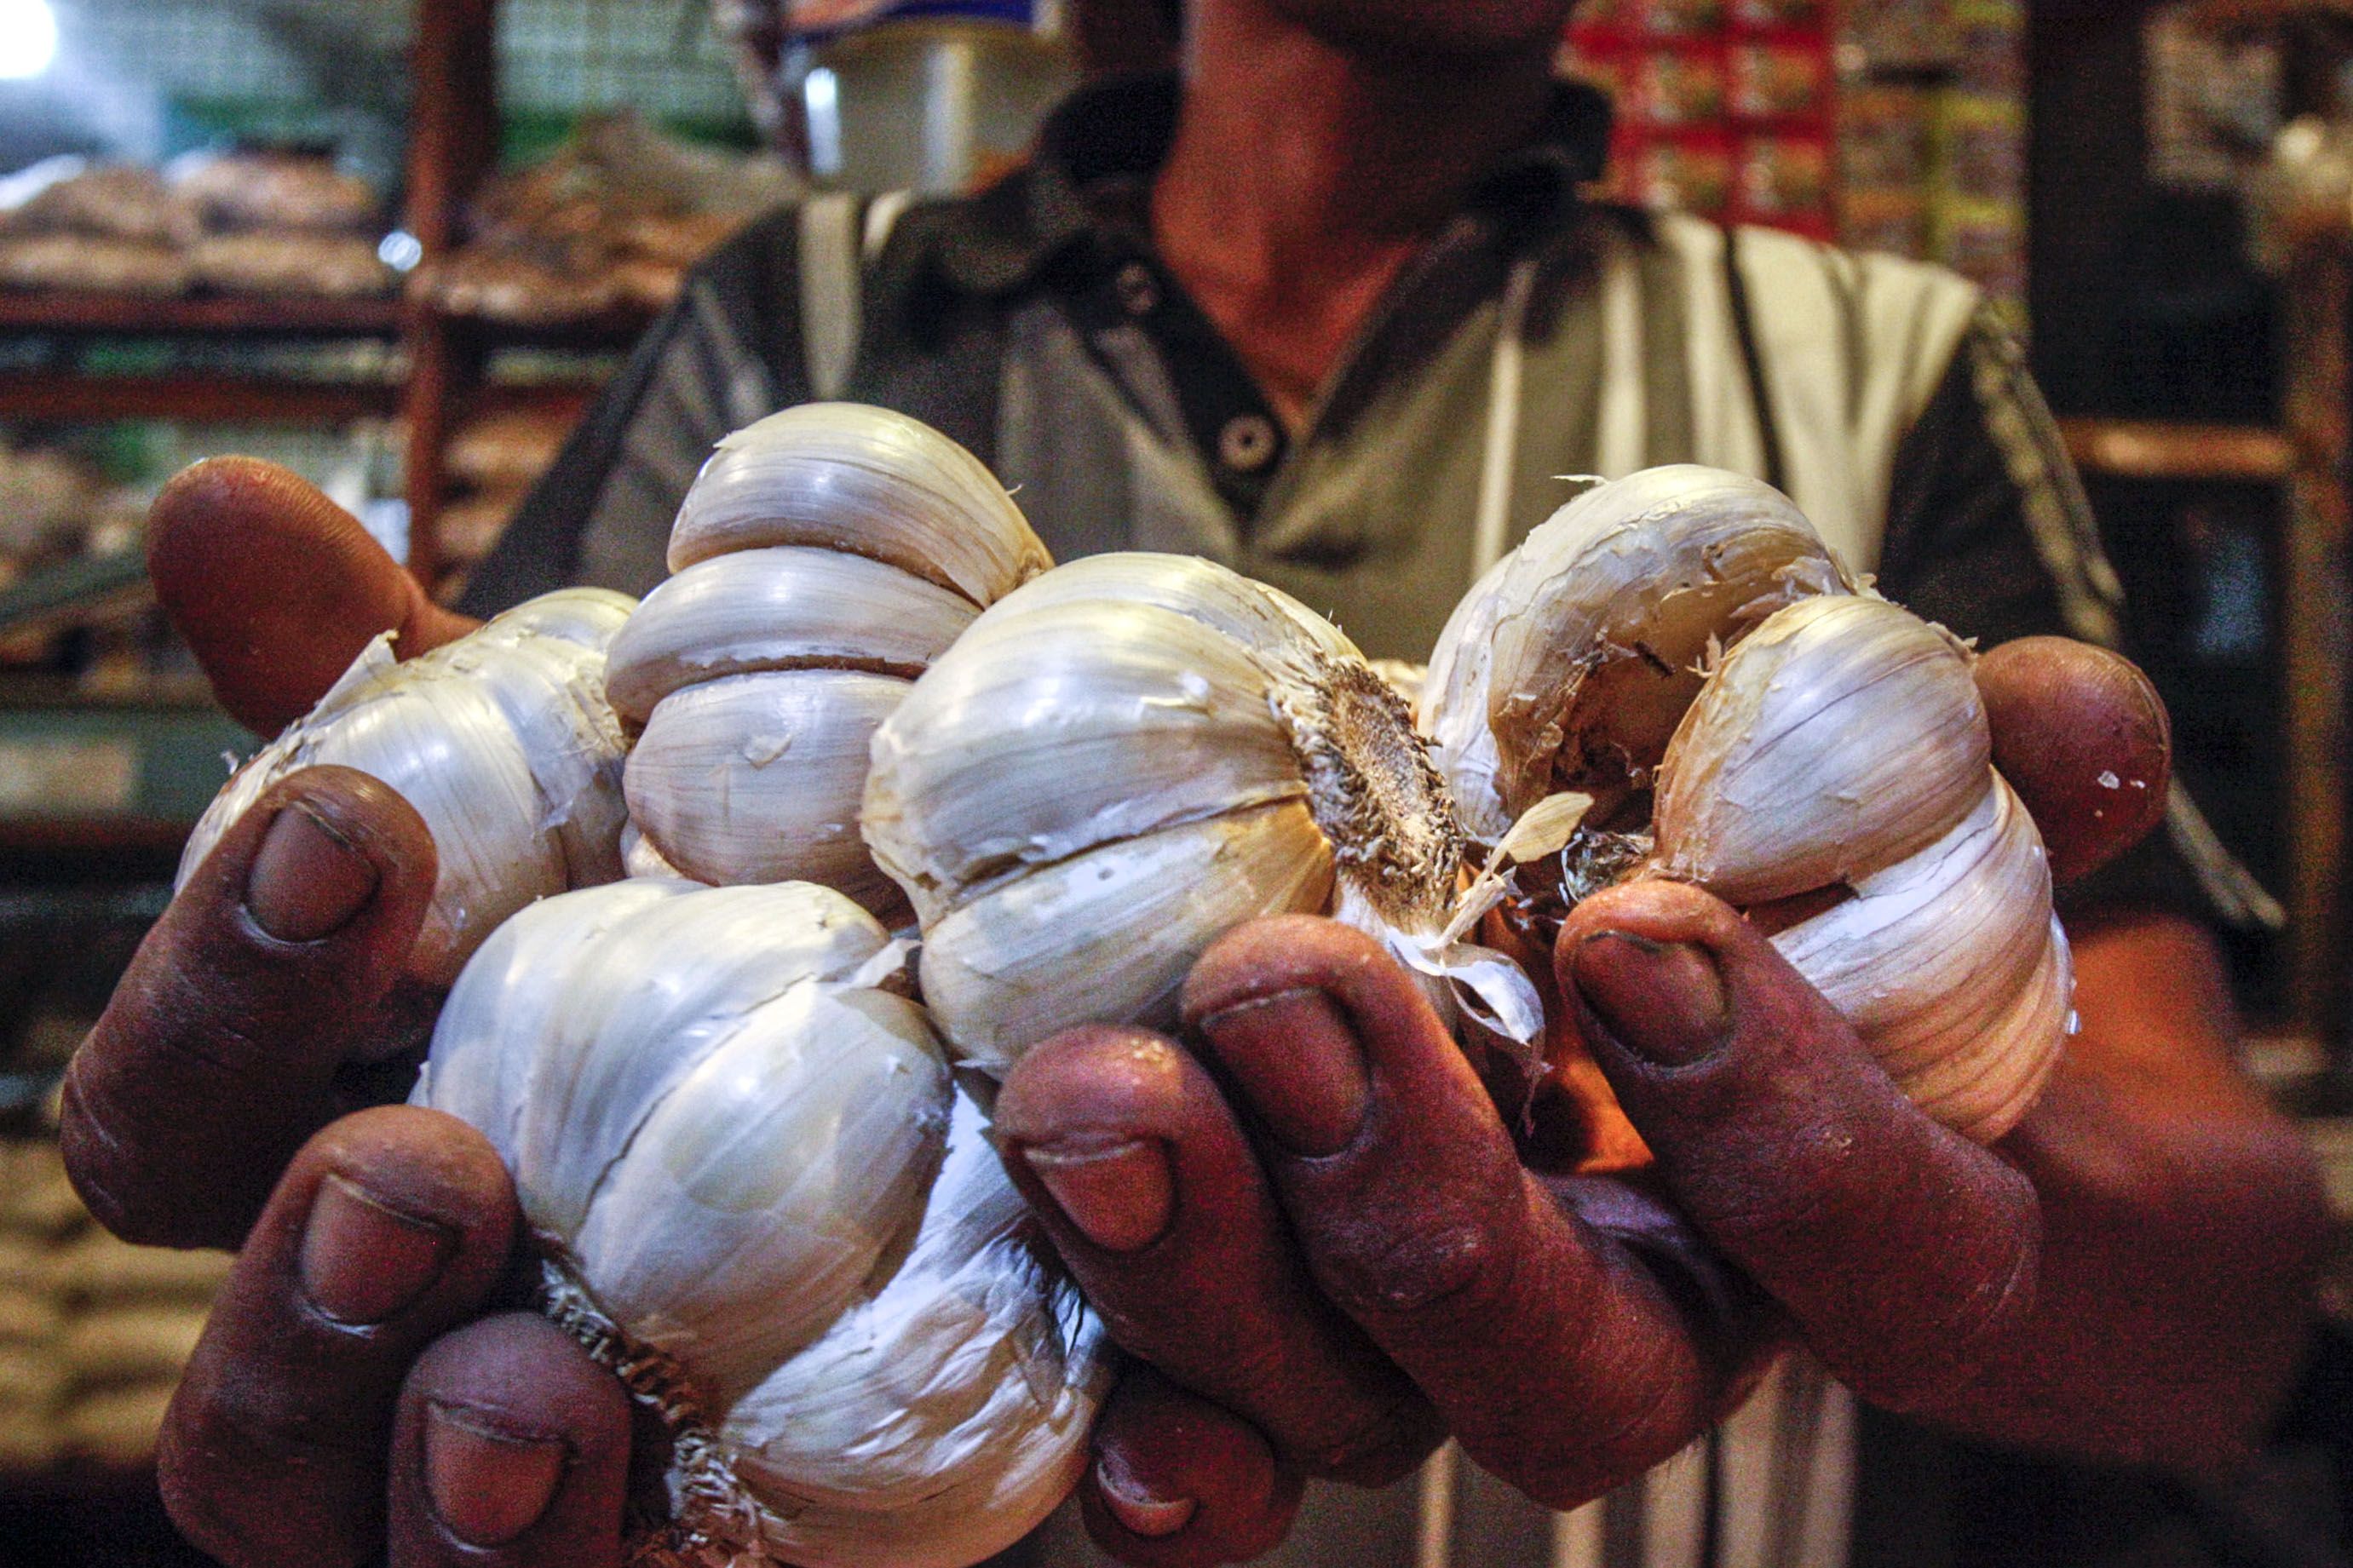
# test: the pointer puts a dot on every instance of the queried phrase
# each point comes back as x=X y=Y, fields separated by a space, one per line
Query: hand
x=1320 y=1224
x=223 y=1047
x=351 y=1398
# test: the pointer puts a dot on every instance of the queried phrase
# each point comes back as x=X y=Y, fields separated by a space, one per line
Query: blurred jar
x=930 y=96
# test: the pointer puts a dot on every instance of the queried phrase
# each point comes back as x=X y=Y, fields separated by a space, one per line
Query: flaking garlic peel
x=503 y=744
x=762 y=1203
x=1680 y=648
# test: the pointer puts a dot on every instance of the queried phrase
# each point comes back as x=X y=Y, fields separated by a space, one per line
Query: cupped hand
x=1314 y=1218
x=359 y=1392
x=224 y=1045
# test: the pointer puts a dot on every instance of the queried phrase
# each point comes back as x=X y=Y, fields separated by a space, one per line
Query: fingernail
x=363 y=1262
x=1663 y=1002
x=488 y=1486
x=1139 y=1512
x=1122 y=1196
x=307 y=880
x=1297 y=1059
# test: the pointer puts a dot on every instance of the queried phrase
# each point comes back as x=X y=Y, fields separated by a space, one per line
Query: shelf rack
x=443 y=361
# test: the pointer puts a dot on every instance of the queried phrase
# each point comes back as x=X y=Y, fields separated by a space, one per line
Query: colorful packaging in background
x=1725 y=108
x=1898 y=125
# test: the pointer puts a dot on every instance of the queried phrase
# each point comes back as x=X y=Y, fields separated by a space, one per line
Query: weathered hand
x=1316 y=1219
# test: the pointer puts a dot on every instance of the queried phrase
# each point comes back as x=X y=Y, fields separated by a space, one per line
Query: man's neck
x=1303 y=177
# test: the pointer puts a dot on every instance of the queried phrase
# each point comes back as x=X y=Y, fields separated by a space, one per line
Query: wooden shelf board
x=69 y=398
x=2149 y=450
x=79 y=314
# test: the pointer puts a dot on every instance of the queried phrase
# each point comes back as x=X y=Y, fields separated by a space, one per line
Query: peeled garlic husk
x=730 y=1136
x=937 y=1415
x=501 y=740
x=1569 y=666
x=1680 y=639
x=1120 y=762
x=824 y=557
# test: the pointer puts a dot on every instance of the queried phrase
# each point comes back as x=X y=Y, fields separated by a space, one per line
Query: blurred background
x=398 y=247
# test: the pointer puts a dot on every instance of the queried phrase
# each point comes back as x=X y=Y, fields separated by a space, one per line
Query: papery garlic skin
x=1682 y=630
x=943 y=1416
x=503 y=744
x=1569 y=666
x=721 y=1125
x=1841 y=735
x=1951 y=968
x=1121 y=761
x=765 y=1206
x=824 y=557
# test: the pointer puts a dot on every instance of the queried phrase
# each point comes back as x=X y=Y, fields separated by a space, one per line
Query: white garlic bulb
x=727 y=1133
x=503 y=744
x=1126 y=759
x=824 y=557
x=1680 y=640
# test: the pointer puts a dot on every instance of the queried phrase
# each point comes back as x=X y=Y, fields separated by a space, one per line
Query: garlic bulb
x=824 y=557
x=1121 y=761
x=503 y=744
x=1680 y=641
x=727 y=1133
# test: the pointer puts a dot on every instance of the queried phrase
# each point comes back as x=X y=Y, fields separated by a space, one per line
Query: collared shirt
x=1538 y=337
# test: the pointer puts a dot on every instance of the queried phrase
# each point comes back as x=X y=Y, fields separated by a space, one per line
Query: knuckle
x=1446 y=1269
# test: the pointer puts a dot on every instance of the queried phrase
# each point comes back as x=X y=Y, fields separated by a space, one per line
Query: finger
x=277 y=589
x=216 y=1055
x=1179 y=1483
x=1905 y=1253
x=1554 y=1355
x=513 y=1452
x=390 y=1228
x=2084 y=738
x=1123 y=1147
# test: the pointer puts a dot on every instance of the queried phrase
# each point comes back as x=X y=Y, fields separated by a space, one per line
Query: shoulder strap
x=842 y=234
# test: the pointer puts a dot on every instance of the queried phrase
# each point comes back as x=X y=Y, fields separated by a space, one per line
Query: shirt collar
x=1118 y=130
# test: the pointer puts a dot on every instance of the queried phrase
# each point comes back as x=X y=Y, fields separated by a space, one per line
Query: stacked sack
x=273 y=223
x=608 y=221
x=93 y=1332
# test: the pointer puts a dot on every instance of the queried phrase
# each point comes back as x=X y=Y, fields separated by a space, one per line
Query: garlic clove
x=620 y=992
x=864 y=481
x=779 y=608
x=758 y=778
x=940 y=1420
x=502 y=742
x=1933 y=948
x=1109 y=935
x=1987 y=1095
x=1570 y=663
x=777 y=1173
x=1143 y=718
x=1843 y=735
x=641 y=860
x=1241 y=609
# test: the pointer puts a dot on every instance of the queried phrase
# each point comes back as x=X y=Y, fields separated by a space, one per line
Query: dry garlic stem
x=1682 y=633
x=727 y=1131
x=1125 y=760
x=824 y=558
x=503 y=744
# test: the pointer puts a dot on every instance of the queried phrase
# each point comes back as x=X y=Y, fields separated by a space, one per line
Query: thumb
x=277 y=589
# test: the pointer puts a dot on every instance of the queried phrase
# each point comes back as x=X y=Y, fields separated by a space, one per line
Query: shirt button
x=1246 y=443
x=1138 y=290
